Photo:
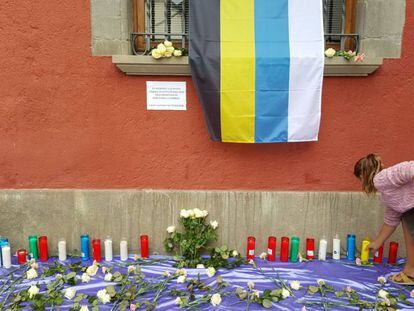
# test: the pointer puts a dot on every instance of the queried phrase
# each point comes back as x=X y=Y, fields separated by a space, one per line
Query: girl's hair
x=366 y=169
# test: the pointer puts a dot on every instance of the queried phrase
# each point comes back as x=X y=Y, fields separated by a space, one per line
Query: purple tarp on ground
x=338 y=274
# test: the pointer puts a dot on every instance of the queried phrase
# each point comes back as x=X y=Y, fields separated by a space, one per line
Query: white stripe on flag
x=306 y=69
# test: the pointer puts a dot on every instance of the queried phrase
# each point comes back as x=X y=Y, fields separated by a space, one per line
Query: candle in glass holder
x=85 y=253
x=43 y=252
x=323 y=245
x=251 y=244
x=271 y=248
x=365 y=251
x=378 y=254
x=284 y=249
x=21 y=256
x=310 y=248
x=144 y=246
x=123 y=249
x=108 y=249
x=62 y=249
x=336 y=248
x=96 y=245
x=392 y=254
x=350 y=247
x=33 y=248
x=6 y=256
x=294 y=249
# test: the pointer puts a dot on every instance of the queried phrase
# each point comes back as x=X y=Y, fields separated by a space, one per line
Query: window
x=157 y=20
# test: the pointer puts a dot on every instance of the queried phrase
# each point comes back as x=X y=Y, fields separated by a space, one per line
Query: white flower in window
x=168 y=43
x=178 y=53
x=330 y=53
x=156 y=53
x=162 y=48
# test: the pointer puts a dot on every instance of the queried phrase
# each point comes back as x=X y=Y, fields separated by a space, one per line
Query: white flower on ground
x=178 y=53
x=251 y=262
x=70 y=293
x=85 y=278
x=263 y=256
x=105 y=270
x=131 y=269
x=34 y=264
x=103 y=296
x=235 y=253
x=285 y=293
x=171 y=229
x=321 y=282
x=358 y=262
x=200 y=266
x=382 y=280
x=108 y=277
x=215 y=299
x=162 y=48
x=256 y=293
x=137 y=257
x=92 y=270
x=250 y=285
x=330 y=52
x=181 y=272
x=349 y=289
x=181 y=279
x=31 y=274
x=184 y=213
x=210 y=271
x=295 y=285
x=58 y=276
x=412 y=294
x=84 y=308
x=214 y=224
x=168 y=43
x=382 y=294
x=178 y=301
x=167 y=274
x=33 y=291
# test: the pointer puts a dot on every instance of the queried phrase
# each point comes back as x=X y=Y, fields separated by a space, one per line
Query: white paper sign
x=166 y=95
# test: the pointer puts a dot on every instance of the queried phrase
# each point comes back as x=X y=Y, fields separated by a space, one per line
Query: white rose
x=178 y=301
x=167 y=54
x=263 y=256
x=198 y=213
x=178 y=53
x=295 y=285
x=200 y=266
x=256 y=293
x=31 y=274
x=181 y=272
x=168 y=43
x=321 y=282
x=84 y=308
x=215 y=299
x=103 y=296
x=166 y=274
x=214 y=224
x=412 y=293
x=250 y=285
x=191 y=213
x=181 y=279
x=382 y=280
x=85 y=278
x=92 y=270
x=33 y=291
x=70 y=293
x=330 y=53
x=156 y=54
x=383 y=294
x=171 y=229
x=235 y=253
x=210 y=271
x=108 y=277
x=184 y=213
x=170 y=49
x=161 y=48
x=285 y=293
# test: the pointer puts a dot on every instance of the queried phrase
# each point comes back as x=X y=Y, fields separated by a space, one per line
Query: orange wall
x=70 y=120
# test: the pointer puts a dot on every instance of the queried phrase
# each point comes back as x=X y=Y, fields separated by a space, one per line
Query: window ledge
x=146 y=65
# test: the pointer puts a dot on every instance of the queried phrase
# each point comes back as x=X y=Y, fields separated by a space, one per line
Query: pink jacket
x=396 y=188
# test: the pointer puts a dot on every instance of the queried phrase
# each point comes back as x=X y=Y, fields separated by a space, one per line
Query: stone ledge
x=146 y=65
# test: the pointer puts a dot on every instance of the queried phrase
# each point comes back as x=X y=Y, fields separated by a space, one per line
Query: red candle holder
x=96 y=245
x=284 y=249
x=378 y=255
x=21 y=256
x=271 y=248
x=310 y=249
x=144 y=246
x=392 y=255
x=251 y=244
x=43 y=253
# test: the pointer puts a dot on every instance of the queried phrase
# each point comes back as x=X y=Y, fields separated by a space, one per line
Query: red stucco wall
x=70 y=120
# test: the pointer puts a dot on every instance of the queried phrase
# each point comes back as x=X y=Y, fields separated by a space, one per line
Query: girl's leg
x=409 y=246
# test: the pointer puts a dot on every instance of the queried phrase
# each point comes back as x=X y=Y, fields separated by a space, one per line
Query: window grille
x=168 y=19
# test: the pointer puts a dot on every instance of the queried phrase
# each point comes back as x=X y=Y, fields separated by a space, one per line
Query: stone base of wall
x=129 y=213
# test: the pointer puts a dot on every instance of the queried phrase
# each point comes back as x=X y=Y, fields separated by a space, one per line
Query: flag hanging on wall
x=258 y=67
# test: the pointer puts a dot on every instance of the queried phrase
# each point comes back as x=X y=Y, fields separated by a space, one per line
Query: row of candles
x=39 y=250
x=290 y=251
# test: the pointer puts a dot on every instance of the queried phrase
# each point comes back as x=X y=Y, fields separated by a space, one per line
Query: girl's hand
x=374 y=246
